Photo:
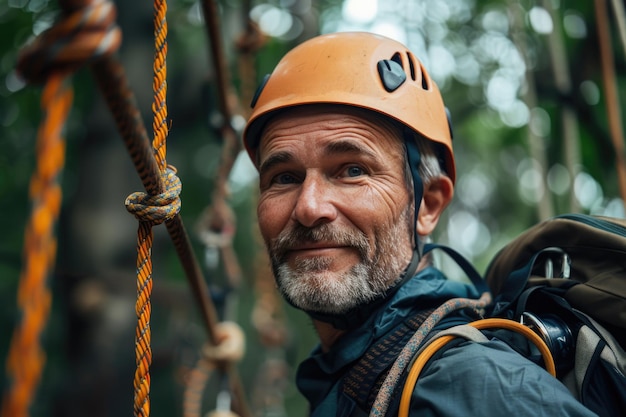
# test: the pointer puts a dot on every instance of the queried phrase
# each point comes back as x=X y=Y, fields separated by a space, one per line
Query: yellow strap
x=438 y=343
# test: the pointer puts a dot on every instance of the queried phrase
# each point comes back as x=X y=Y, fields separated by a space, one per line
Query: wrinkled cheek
x=271 y=220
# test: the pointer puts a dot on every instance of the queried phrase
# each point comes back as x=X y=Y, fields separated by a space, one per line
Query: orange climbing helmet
x=355 y=69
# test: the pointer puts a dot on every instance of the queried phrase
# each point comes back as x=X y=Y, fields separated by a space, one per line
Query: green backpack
x=566 y=279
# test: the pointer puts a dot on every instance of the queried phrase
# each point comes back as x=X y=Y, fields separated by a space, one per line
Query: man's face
x=334 y=208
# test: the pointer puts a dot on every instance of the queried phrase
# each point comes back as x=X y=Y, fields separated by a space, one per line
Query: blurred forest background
x=534 y=89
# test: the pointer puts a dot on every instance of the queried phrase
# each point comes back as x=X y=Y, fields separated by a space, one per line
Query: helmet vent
x=425 y=79
x=411 y=60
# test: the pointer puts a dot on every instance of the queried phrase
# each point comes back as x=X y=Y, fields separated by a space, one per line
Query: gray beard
x=311 y=286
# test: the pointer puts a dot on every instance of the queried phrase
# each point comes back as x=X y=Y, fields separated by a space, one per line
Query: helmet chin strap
x=414 y=159
x=359 y=314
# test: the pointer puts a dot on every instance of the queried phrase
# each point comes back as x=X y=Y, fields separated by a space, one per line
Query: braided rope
x=195 y=384
x=143 y=309
x=381 y=404
x=26 y=358
x=84 y=33
x=159 y=84
x=151 y=210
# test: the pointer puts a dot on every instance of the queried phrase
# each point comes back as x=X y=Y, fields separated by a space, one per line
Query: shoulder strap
x=465 y=265
x=470 y=331
x=364 y=379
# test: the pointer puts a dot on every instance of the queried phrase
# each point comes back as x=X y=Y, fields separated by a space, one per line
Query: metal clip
x=566 y=263
x=566 y=266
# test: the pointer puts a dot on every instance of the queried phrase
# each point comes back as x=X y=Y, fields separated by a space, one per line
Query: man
x=354 y=151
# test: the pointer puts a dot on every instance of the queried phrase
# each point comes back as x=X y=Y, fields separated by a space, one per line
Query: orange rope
x=195 y=384
x=159 y=84
x=26 y=358
x=85 y=32
x=143 y=306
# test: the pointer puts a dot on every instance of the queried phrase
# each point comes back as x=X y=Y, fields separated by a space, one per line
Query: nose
x=314 y=205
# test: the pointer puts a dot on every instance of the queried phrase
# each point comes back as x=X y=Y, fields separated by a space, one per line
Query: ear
x=437 y=195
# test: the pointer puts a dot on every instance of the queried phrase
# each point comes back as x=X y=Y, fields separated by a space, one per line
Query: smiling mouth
x=320 y=242
x=318 y=250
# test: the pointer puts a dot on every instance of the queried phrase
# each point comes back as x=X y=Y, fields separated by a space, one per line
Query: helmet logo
x=391 y=74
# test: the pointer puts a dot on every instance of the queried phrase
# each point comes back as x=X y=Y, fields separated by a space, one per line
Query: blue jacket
x=469 y=379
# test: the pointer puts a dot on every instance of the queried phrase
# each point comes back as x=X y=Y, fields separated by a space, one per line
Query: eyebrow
x=275 y=159
x=347 y=147
x=333 y=148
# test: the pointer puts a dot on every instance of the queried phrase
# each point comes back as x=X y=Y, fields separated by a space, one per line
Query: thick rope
x=113 y=83
x=222 y=356
x=26 y=358
x=159 y=85
x=381 y=404
x=195 y=383
x=218 y=221
x=83 y=34
x=151 y=210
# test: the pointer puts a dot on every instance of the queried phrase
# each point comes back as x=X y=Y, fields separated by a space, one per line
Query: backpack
x=572 y=322
x=579 y=311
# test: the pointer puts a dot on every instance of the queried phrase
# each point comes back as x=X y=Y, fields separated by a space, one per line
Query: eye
x=284 y=178
x=354 y=171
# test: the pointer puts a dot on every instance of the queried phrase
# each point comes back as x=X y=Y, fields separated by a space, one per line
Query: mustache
x=295 y=235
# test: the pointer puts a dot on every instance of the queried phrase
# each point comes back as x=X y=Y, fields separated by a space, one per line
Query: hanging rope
x=152 y=210
x=112 y=81
x=85 y=33
x=222 y=357
x=26 y=357
x=88 y=34
x=159 y=85
x=217 y=227
x=80 y=36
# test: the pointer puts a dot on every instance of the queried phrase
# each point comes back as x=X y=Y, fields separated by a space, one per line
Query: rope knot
x=156 y=209
x=85 y=32
x=231 y=346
